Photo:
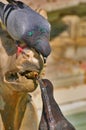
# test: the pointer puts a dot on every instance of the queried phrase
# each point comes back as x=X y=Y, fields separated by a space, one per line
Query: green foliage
x=57 y=26
x=79 y=10
x=78 y=120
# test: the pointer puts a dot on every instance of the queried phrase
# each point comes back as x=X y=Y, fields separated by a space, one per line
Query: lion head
x=18 y=70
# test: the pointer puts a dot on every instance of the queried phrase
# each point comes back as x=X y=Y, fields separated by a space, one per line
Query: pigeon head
x=38 y=39
x=48 y=85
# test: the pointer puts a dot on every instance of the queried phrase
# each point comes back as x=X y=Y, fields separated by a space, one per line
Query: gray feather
x=21 y=21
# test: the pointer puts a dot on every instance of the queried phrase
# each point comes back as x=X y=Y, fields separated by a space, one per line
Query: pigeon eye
x=30 y=33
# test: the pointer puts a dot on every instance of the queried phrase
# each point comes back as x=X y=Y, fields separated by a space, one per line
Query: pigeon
x=25 y=25
x=52 y=118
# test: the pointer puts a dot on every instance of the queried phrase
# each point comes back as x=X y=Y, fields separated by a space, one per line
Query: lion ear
x=42 y=12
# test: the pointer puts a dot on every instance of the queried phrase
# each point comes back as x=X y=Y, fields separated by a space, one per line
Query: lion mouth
x=27 y=71
x=15 y=76
x=30 y=74
x=25 y=81
x=28 y=67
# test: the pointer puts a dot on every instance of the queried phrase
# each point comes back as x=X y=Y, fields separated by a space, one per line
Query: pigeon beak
x=43 y=47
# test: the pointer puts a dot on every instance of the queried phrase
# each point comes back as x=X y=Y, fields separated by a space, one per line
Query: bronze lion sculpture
x=17 y=79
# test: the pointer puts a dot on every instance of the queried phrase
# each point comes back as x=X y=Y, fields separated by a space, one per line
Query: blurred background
x=66 y=66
